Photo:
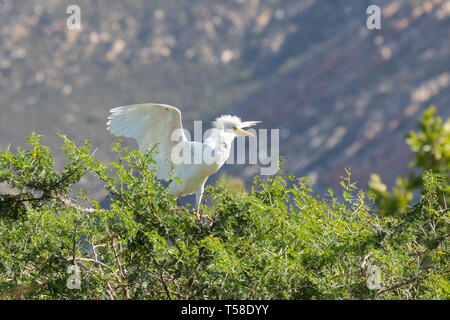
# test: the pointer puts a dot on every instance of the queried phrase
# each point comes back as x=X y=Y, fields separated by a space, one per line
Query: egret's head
x=234 y=124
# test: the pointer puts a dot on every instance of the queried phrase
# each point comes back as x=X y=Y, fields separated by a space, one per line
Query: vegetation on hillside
x=277 y=241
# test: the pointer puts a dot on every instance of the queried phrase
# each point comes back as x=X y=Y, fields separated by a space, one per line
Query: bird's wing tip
x=117 y=109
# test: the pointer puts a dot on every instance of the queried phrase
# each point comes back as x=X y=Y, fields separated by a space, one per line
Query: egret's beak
x=243 y=132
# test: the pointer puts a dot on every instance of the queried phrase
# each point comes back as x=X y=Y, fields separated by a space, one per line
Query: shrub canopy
x=278 y=241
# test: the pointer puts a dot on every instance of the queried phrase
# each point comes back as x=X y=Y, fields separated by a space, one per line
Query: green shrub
x=430 y=146
x=279 y=241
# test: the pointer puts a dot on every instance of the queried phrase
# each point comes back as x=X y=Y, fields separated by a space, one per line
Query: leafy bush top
x=279 y=241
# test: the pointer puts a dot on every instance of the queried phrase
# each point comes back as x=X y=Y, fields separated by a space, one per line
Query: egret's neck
x=218 y=137
x=220 y=140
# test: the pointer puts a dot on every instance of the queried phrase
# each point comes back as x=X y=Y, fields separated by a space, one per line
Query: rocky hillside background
x=341 y=95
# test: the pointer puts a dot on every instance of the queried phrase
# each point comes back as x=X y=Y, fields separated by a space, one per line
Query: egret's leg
x=198 y=200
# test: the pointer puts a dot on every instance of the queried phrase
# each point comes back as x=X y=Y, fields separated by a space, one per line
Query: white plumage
x=152 y=124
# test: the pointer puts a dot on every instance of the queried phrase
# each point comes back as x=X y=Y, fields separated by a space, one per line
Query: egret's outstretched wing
x=149 y=124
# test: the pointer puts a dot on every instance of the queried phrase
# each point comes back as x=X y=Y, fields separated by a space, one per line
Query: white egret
x=156 y=124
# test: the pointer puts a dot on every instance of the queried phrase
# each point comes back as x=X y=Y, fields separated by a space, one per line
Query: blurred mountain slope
x=346 y=98
x=340 y=94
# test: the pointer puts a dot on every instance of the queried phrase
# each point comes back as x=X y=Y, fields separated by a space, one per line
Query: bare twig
x=74 y=247
x=401 y=284
x=161 y=278
x=119 y=266
x=101 y=264
x=69 y=203
x=192 y=278
x=363 y=265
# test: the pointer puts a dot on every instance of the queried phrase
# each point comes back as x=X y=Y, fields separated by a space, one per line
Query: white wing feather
x=149 y=124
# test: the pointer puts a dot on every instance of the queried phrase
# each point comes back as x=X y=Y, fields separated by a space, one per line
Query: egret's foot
x=198 y=213
x=203 y=218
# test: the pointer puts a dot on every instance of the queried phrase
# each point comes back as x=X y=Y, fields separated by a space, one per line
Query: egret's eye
x=235 y=128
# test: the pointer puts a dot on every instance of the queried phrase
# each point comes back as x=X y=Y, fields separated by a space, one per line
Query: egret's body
x=152 y=124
